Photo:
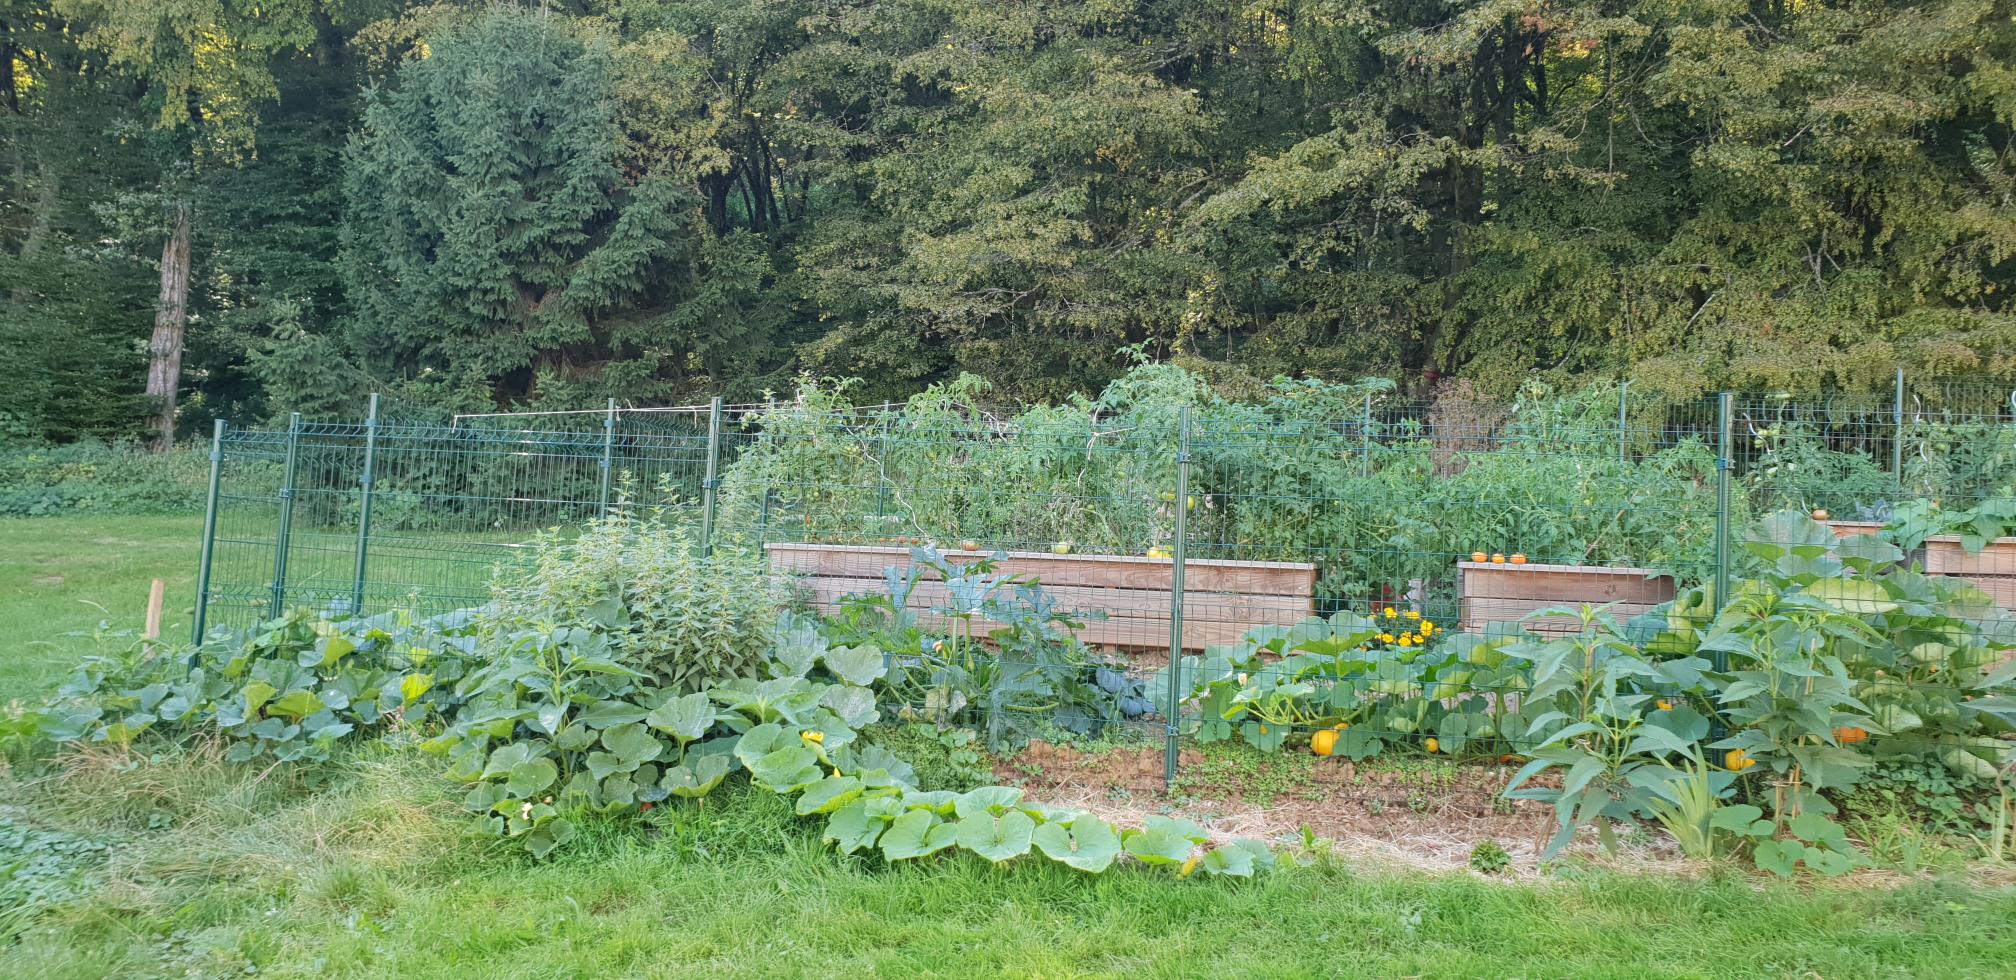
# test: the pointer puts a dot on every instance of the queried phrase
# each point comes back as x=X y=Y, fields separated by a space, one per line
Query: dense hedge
x=100 y=479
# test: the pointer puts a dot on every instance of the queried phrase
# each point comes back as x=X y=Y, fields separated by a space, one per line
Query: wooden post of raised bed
x=1173 y=711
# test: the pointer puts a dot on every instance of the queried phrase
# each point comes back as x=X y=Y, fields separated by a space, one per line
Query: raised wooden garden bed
x=1853 y=529
x=1493 y=593
x=1992 y=571
x=1222 y=600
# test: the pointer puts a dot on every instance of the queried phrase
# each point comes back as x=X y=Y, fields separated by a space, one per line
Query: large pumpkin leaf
x=828 y=795
x=698 y=778
x=787 y=770
x=1086 y=843
x=859 y=666
x=1853 y=595
x=530 y=777
x=997 y=838
x=915 y=834
x=685 y=718
x=633 y=743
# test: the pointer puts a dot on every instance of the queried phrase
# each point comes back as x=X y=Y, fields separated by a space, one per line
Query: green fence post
x=1365 y=439
x=881 y=473
x=1623 y=402
x=1724 y=430
x=364 y=508
x=608 y=452
x=209 y=539
x=1173 y=711
x=282 y=537
x=713 y=482
x=1897 y=432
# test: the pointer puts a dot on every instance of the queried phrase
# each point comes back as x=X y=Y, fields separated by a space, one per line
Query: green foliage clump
x=640 y=579
x=943 y=758
x=101 y=479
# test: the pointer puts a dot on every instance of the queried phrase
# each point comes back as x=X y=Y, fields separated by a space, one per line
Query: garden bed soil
x=1420 y=813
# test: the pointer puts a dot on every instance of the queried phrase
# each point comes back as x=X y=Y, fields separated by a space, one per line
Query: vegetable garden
x=588 y=612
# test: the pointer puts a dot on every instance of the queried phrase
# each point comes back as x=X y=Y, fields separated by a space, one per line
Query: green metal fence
x=1389 y=500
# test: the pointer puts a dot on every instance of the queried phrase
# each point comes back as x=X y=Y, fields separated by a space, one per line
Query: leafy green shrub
x=288 y=690
x=102 y=479
x=1001 y=649
x=640 y=579
x=943 y=758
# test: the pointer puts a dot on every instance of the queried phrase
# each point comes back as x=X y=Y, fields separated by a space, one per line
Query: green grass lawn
x=67 y=575
x=112 y=864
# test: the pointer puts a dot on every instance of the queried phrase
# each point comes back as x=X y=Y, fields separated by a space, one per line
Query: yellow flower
x=1385 y=637
x=1406 y=641
x=1427 y=627
x=1391 y=612
x=815 y=737
x=1188 y=866
x=1737 y=760
x=1413 y=614
x=1665 y=705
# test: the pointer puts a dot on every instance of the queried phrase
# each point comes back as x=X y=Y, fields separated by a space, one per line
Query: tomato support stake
x=1173 y=710
x=209 y=539
x=286 y=528
x=364 y=507
x=713 y=482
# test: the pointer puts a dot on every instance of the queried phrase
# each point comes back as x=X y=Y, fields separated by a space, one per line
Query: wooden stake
x=156 y=594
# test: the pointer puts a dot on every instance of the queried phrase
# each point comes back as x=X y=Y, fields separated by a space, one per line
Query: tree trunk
x=171 y=314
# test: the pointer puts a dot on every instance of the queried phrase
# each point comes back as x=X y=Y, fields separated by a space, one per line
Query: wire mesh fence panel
x=1335 y=566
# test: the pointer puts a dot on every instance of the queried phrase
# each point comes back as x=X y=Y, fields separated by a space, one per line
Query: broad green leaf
x=787 y=770
x=859 y=666
x=530 y=777
x=915 y=834
x=608 y=714
x=257 y=693
x=697 y=778
x=296 y=705
x=762 y=740
x=1159 y=845
x=1860 y=597
x=855 y=706
x=686 y=718
x=997 y=838
x=828 y=795
x=1232 y=861
x=633 y=743
x=1086 y=843
x=986 y=799
x=851 y=829
x=415 y=686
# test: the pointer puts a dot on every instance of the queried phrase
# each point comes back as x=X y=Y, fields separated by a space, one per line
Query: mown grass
x=216 y=871
x=61 y=577
x=365 y=867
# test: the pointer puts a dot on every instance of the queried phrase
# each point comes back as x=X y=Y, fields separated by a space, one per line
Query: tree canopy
x=484 y=204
